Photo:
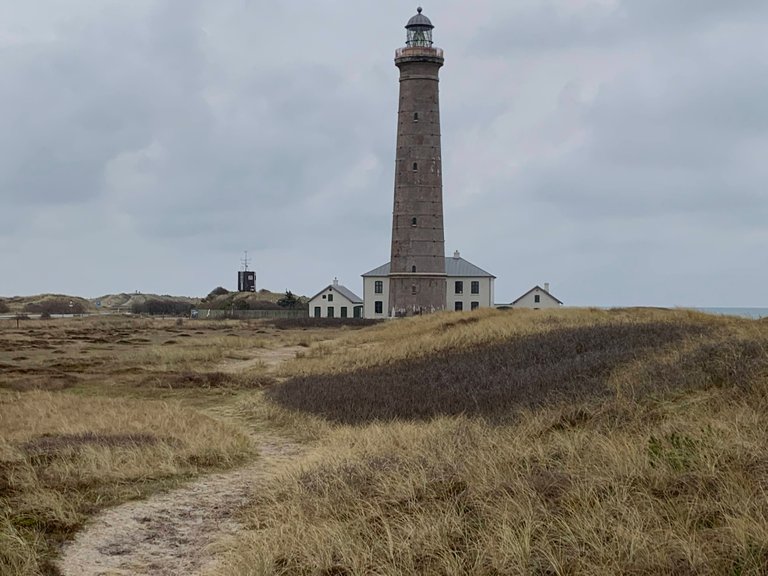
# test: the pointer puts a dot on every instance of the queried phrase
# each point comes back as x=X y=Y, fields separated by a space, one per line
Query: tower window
x=413 y=268
x=415 y=116
x=413 y=221
x=413 y=289
x=415 y=166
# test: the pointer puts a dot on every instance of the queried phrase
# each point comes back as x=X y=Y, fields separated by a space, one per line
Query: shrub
x=4 y=309
x=159 y=306
x=218 y=291
x=55 y=306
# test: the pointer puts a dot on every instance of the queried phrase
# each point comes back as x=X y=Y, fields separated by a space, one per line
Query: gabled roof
x=343 y=290
x=537 y=287
x=453 y=267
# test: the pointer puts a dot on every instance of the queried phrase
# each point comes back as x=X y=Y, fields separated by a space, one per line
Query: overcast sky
x=617 y=149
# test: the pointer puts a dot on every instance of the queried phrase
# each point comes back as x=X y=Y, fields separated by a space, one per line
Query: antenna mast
x=245 y=261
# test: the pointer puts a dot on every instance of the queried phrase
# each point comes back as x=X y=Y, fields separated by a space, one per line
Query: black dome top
x=419 y=21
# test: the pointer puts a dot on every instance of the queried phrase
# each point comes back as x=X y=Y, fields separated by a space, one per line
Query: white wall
x=339 y=301
x=484 y=298
x=529 y=301
x=370 y=297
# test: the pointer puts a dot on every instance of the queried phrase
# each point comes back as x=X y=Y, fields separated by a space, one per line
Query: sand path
x=175 y=533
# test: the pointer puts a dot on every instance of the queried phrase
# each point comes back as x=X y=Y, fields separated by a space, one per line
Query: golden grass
x=64 y=456
x=669 y=482
x=679 y=490
x=672 y=480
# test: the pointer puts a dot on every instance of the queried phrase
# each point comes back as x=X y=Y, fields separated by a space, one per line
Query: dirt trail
x=172 y=533
x=268 y=358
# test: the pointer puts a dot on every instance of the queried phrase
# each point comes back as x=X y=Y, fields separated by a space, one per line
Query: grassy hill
x=52 y=303
x=584 y=442
x=138 y=302
x=564 y=442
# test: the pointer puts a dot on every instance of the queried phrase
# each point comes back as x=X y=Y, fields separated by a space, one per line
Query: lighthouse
x=417 y=273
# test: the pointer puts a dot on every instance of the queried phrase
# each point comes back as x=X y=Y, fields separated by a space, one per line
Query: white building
x=537 y=297
x=336 y=301
x=468 y=287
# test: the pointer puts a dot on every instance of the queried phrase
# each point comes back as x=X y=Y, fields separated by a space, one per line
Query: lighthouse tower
x=417 y=277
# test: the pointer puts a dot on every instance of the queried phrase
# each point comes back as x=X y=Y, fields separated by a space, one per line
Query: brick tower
x=417 y=280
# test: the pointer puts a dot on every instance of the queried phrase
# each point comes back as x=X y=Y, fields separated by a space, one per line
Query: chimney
x=335 y=281
x=457 y=254
x=546 y=286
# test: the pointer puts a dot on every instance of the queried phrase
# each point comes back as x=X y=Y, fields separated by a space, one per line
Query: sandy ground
x=172 y=533
x=175 y=533
x=268 y=358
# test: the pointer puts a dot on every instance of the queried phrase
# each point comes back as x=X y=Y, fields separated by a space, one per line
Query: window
x=413 y=221
x=343 y=311
x=415 y=116
x=358 y=312
x=415 y=166
x=330 y=312
x=378 y=307
x=330 y=297
x=537 y=298
x=475 y=287
x=459 y=287
x=413 y=268
x=317 y=312
x=458 y=306
x=413 y=289
x=325 y=296
x=475 y=305
x=378 y=287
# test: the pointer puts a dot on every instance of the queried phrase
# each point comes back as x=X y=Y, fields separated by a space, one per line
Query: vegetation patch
x=64 y=457
x=202 y=380
x=494 y=381
x=614 y=492
x=310 y=322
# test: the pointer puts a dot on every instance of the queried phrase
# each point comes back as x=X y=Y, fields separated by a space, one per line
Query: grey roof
x=453 y=267
x=419 y=21
x=537 y=287
x=344 y=291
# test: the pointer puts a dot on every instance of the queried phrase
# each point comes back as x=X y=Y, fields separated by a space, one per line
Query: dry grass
x=79 y=429
x=638 y=442
x=666 y=474
x=62 y=457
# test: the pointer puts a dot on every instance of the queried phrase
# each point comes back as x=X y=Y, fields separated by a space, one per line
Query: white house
x=537 y=297
x=468 y=287
x=336 y=301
